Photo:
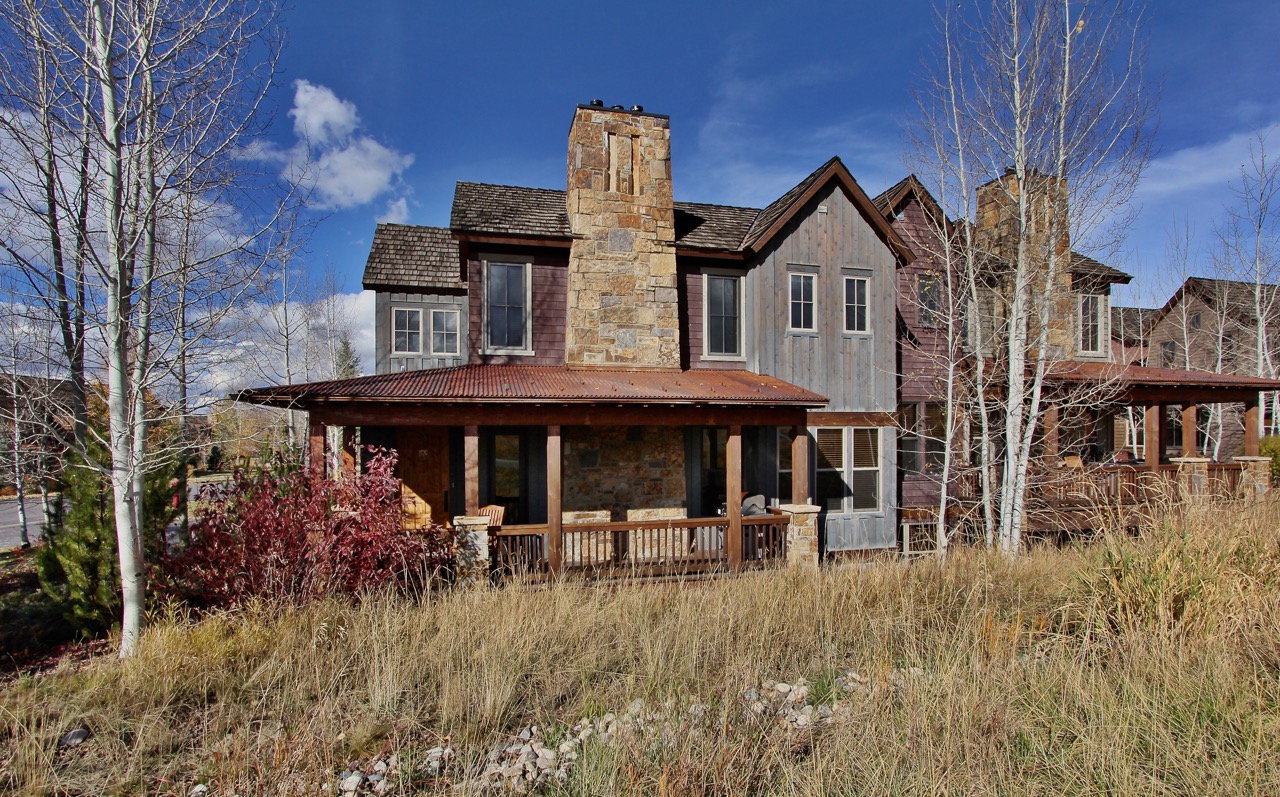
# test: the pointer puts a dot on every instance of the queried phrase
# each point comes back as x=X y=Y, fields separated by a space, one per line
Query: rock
x=381 y=766
x=74 y=738
x=825 y=712
x=198 y=790
x=352 y=782
x=782 y=688
x=381 y=786
x=526 y=734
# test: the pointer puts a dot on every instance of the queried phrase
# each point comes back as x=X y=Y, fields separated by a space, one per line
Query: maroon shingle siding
x=550 y=298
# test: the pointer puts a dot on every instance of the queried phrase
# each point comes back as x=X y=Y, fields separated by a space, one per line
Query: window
x=1091 y=323
x=507 y=307
x=909 y=459
x=406 y=331
x=848 y=481
x=855 y=304
x=1194 y=321
x=802 y=302
x=1168 y=353
x=723 y=315
x=444 y=333
x=929 y=294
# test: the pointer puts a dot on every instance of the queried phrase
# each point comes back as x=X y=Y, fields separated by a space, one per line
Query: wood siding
x=550 y=295
x=387 y=362
x=690 y=283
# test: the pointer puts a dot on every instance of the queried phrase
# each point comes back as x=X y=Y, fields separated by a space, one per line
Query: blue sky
x=403 y=99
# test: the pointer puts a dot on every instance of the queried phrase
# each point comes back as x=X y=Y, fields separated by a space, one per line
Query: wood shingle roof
x=406 y=256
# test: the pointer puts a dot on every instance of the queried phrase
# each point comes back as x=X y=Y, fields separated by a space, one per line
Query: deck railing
x=1111 y=484
x=638 y=548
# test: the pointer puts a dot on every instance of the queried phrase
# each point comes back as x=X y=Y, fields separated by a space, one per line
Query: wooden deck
x=1094 y=497
x=638 y=549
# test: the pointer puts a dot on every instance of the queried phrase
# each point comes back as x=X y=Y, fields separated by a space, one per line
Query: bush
x=285 y=532
x=1269 y=446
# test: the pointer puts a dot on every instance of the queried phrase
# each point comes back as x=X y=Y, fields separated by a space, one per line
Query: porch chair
x=495 y=513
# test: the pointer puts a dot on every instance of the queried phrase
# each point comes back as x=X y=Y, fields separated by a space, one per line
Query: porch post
x=555 y=520
x=317 y=434
x=1251 y=442
x=1190 y=423
x=733 y=497
x=350 y=460
x=471 y=468
x=1152 y=442
x=1051 y=431
x=800 y=464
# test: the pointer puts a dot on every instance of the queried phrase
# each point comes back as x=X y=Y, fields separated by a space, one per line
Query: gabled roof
x=1230 y=296
x=409 y=256
x=547 y=384
x=540 y=212
x=1085 y=266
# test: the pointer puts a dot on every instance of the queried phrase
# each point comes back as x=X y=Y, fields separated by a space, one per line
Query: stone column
x=802 y=535
x=1256 y=479
x=1193 y=475
x=473 y=550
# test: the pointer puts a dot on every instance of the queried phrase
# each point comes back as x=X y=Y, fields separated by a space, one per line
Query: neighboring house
x=600 y=364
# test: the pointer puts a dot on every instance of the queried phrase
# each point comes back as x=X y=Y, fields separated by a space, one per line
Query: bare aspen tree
x=1039 y=106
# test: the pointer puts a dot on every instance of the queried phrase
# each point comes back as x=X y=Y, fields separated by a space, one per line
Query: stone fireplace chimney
x=622 y=265
x=998 y=233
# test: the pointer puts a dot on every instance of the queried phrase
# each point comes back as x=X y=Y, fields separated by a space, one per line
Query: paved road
x=10 y=536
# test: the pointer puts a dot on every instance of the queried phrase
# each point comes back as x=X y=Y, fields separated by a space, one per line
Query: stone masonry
x=622 y=308
x=623 y=469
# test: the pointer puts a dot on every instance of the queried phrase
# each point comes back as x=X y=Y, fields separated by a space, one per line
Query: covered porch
x=591 y=472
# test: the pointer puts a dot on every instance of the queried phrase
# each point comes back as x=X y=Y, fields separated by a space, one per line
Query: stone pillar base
x=473 y=550
x=802 y=535
x=1256 y=479
x=1193 y=474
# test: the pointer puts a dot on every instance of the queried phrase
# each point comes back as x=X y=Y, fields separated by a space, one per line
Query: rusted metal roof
x=554 y=384
x=1147 y=376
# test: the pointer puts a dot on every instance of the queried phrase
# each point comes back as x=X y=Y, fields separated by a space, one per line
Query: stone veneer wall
x=622 y=308
x=621 y=468
x=998 y=234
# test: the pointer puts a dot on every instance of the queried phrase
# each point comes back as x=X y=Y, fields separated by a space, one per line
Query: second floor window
x=724 y=316
x=406 y=331
x=802 y=302
x=444 y=333
x=1169 y=354
x=929 y=294
x=856 y=318
x=507 y=306
x=1091 y=324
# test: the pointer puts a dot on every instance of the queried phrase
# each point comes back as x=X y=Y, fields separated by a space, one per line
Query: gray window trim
x=526 y=349
x=741 y=356
x=401 y=352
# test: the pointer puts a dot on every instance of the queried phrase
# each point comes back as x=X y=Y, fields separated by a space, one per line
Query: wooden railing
x=639 y=548
x=1111 y=484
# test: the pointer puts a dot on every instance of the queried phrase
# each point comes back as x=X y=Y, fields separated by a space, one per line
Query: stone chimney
x=622 y=265
x=998 y=232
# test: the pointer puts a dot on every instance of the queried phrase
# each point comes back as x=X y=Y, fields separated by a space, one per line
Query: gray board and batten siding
x=385 y=302
x=856 y=371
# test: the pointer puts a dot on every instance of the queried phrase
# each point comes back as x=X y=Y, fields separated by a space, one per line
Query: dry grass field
x=1146 y=665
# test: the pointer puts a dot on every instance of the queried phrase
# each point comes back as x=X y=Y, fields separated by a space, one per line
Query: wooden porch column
x=1051 y=431
x=800 y=464
x=1153 y=433
x=555 y=520
x=317 y=437
x=1190 y=424
x=471 y=468
x=733 y=497
x=350 y=458
x=1251 y=427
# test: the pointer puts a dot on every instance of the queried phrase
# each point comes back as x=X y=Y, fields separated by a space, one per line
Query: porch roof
x=1139 y=383
x=495 y=386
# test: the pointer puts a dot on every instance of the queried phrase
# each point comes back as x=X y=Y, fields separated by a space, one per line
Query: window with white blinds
x=848 y=469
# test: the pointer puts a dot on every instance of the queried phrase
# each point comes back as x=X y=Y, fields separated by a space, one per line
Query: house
x=611 y=371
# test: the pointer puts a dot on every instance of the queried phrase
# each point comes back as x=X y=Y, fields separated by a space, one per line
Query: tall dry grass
x=1128 y=666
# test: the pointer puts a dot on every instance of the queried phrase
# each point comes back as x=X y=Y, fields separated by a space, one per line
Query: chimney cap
x=637 y=108
x=596 y=103
x=615 y=108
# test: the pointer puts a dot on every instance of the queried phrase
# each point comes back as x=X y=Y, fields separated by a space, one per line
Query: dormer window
x=506 y=308
x=1092 y=324
x=406 y=331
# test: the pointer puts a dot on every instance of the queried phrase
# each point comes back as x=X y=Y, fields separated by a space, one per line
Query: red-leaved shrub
x=285 y=532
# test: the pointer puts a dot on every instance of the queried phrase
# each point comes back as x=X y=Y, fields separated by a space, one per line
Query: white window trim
x=526 y=349
x=813 y=279
x=401 y=352
x=844 y=305
x=1104 y=330
x=457 y=352
x=741 y=356
x=846 y=504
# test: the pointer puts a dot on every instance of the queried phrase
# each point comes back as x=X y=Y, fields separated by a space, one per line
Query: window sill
x=507 y=353
x=802 y=333
x=723 y=358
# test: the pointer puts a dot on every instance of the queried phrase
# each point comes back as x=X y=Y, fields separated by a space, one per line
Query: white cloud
x=397 y=211
x=343 y=166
